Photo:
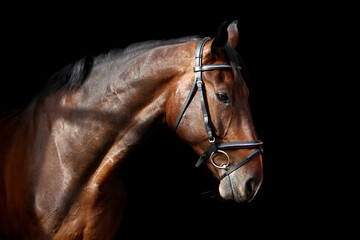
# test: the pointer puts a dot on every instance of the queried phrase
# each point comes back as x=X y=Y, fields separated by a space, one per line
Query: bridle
x=214 y=147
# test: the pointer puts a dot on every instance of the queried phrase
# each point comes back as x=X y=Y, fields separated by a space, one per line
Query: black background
x=165 y=200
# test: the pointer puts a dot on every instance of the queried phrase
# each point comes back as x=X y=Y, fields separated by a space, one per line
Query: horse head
x=221 y=105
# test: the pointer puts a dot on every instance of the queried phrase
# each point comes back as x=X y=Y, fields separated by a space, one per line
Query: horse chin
x=230 y=189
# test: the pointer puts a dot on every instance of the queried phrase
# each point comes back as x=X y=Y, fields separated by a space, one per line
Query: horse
x=61 y=155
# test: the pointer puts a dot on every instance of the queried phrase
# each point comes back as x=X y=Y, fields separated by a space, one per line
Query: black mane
x=74 y=74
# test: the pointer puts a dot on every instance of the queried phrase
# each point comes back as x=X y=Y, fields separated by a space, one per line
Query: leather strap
x=205 y=112
x=198 y=69
x=240 y=145
x=186 y=104
x=198 y=62
x=228 y=146
x=242 y=163
x=204 y=68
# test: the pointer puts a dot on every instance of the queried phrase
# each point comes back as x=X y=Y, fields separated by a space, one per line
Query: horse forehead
x=227 y=81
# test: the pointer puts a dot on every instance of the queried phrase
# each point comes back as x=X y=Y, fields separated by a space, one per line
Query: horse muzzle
x=242 y=185
x=241 y=191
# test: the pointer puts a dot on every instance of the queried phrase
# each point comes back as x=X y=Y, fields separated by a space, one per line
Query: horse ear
x=233 y=33
x=220 y=39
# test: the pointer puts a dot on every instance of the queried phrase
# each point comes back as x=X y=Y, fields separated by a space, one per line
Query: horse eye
x=223 y=97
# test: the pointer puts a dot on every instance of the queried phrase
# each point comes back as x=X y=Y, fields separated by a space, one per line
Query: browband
x=212 y=67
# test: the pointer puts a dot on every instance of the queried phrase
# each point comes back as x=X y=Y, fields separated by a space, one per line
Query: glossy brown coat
x=60 y=157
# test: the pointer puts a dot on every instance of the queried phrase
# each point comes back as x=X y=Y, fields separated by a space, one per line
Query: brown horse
x=60 y=157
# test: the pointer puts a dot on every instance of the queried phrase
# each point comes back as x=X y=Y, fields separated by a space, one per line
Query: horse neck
x=120 y=102
x=71 y=138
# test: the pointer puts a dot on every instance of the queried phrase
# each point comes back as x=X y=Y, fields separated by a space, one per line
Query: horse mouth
x=232 y=189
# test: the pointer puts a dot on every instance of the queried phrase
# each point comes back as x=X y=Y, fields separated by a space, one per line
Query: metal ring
x=224 y=166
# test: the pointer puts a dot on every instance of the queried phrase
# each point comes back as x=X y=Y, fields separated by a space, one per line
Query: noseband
x=214 y=148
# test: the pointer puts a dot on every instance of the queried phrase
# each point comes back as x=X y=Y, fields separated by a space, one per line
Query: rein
x=214 y=147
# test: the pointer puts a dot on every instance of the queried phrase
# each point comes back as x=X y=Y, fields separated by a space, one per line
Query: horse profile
x=60 y=156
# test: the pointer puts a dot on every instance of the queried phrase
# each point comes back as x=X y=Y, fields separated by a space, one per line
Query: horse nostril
x=250 y=186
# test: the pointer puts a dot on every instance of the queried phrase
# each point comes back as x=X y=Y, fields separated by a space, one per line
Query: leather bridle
x=214 y=148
